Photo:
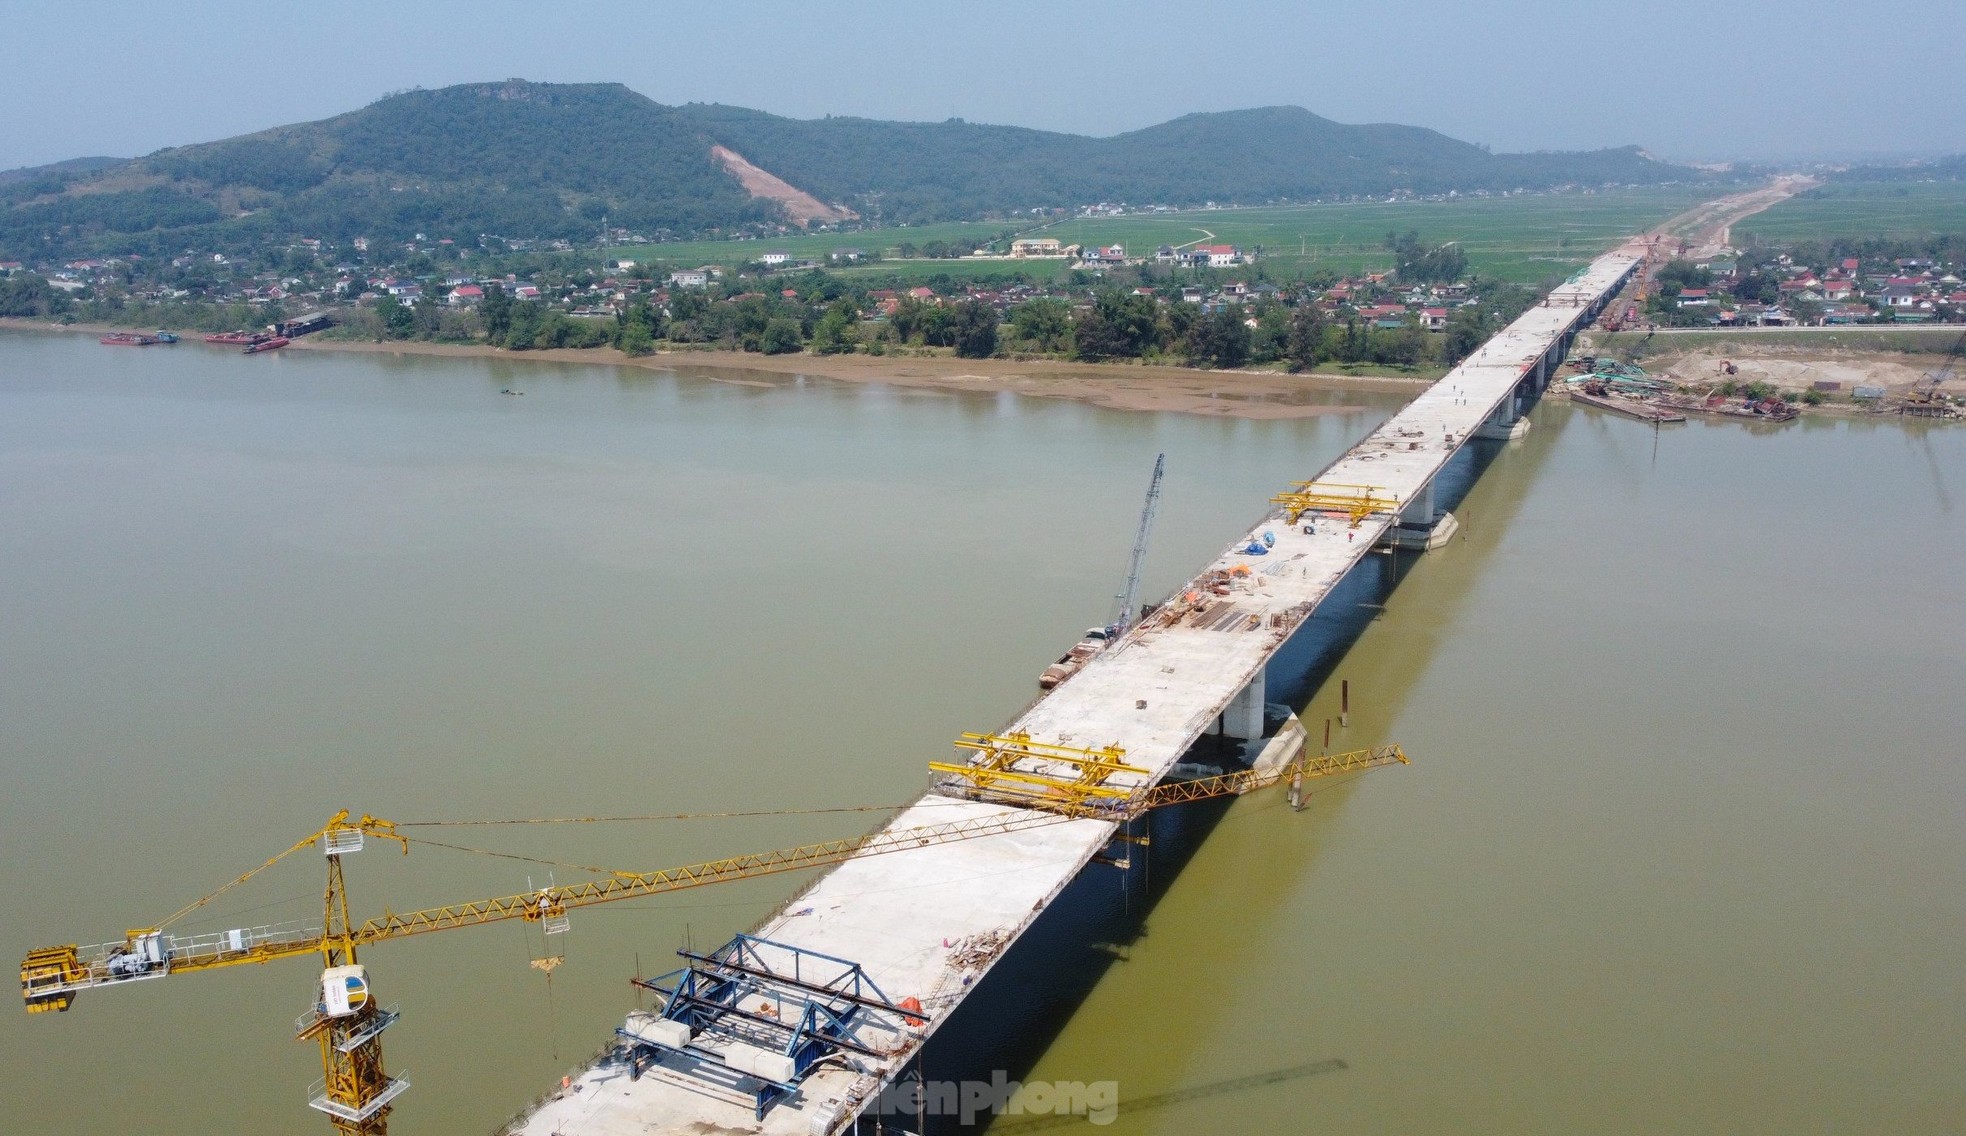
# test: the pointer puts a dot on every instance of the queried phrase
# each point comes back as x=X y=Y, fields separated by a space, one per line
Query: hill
x=57 y=171
x=548 y=160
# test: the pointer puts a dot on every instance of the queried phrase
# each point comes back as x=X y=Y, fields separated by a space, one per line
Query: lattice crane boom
x=1130 y=591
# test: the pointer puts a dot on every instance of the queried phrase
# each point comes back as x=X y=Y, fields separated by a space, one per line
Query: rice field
x=1528 y=239
x=1892 y=210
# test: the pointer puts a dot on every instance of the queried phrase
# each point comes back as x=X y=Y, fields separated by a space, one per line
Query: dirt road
x=1707 y=228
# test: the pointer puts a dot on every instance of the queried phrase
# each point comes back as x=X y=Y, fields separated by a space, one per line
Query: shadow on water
x=1004 y=1026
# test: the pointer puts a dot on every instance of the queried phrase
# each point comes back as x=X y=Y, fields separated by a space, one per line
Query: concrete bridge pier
x=1506 y=422
x=1420 y=526
x=1243 y=717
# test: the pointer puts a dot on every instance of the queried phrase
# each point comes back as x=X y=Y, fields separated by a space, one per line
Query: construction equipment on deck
x=1356 y=502
x=346 y=1019
x=993 y=774
x=1082 y=788
x=1131 y=590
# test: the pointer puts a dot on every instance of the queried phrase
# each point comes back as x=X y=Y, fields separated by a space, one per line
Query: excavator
x=1925 y=400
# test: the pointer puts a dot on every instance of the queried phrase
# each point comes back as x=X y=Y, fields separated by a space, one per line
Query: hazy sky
x=1688 y=80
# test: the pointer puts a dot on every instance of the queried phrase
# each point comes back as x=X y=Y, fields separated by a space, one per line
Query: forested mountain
x=955 y=169
x=546 y=160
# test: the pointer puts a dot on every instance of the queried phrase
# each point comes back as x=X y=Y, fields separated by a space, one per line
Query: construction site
x=809 y=1022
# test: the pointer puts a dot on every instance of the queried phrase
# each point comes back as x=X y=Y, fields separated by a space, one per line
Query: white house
x=773 y=259
x=689 y=278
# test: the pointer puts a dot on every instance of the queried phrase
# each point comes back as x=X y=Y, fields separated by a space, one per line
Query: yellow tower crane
x=347 y=1021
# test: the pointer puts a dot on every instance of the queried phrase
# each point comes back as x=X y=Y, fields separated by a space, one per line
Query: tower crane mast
x=346 y=1020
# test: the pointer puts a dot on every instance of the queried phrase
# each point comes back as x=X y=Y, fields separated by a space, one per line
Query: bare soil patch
x=799 y=205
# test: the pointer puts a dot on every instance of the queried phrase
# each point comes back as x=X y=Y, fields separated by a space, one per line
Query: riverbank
x=1117 y=386
x=1831 y=364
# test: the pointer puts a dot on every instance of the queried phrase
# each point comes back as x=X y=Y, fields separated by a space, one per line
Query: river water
x=1680 y=849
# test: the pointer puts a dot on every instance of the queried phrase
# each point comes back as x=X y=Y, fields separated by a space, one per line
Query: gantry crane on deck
x=346 y=1019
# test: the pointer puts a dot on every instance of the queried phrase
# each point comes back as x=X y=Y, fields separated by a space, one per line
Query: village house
x=1433 y=319
x=1112 y=256
x=1036 y=247
x=773 y=259
x=464 y=295
x=1215 y=256
x=689 y=278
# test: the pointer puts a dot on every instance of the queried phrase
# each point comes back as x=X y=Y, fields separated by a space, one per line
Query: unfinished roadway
x=926 y=924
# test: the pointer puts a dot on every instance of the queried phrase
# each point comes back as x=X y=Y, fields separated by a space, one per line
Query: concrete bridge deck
x=931 y=922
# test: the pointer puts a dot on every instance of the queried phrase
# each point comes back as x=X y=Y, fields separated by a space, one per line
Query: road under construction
x=807 y=1023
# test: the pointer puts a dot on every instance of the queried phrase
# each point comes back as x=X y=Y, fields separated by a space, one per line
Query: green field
x=1904 y=340
x=1893 y=210
x=1035 y=271
x=1527 y=239
x=810 y=247
x=1530 y=239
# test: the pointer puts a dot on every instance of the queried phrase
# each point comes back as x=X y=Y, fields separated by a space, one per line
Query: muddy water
x=1680 y=848
x=243 y=592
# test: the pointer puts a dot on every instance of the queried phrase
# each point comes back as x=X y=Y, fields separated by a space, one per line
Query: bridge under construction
x=802 y=1025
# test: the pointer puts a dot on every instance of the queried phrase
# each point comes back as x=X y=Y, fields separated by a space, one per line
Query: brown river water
x=1681 y=848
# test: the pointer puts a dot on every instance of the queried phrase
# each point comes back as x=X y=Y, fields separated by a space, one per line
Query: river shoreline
x=1116 y=386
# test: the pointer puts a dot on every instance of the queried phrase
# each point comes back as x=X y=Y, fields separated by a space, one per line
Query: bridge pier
x=1506 y=422
x=1419 y=525
x=1243 y=717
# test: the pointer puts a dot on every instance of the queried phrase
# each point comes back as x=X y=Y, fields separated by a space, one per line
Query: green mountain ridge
x=525 y=159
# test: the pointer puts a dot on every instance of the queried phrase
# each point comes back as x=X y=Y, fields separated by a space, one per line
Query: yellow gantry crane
x=1356 y=502
x=346 y=1020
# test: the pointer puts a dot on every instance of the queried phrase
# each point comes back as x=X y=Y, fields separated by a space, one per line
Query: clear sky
x=1686 y=80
